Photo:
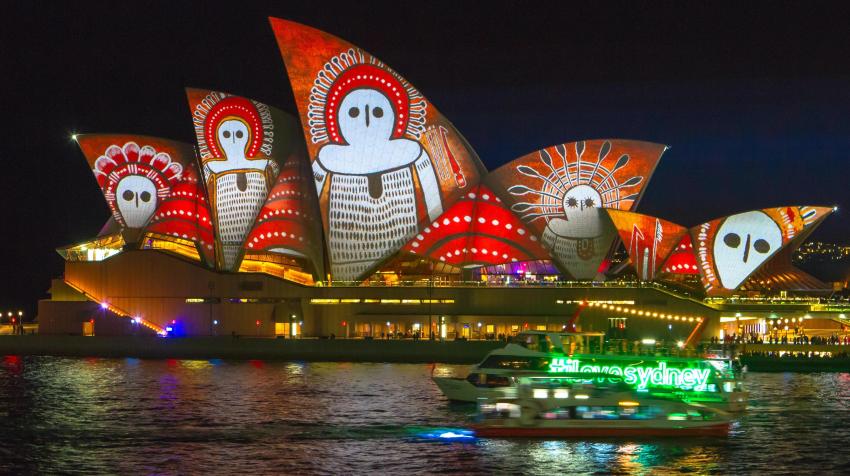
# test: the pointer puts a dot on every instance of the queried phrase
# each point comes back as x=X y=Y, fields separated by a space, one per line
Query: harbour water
x=67 y=415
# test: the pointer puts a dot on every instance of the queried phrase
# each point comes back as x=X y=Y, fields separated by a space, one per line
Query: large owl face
x=582 y=205
x=742 y=243
x=135 y=196
x=233 y=137
x=366 y=117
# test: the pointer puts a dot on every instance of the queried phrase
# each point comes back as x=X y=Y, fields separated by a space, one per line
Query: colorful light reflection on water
x=175 y=416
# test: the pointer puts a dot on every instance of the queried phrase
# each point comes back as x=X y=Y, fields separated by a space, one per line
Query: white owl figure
x=373 y=201
x=233 y=137
x=134 y=180
x=742 y=243
x=136 y=199
x=579 y=234
x=238 y=170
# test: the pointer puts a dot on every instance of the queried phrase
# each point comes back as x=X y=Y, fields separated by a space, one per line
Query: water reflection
x=193 y=416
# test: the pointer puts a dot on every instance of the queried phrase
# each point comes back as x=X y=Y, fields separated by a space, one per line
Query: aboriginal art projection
x=730 y=249
x=560 y=193
x=151 y=186
x=682 y=259
x=186 y=215
x=134 y=178
x=477 y=230
x=288 y=223
x=241 y=145
x=648 y=240
x=385 y=162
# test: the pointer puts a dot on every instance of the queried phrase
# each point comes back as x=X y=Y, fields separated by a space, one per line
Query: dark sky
x=753 y=98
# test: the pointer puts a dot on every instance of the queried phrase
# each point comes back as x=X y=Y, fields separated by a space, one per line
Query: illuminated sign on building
x=640 y=376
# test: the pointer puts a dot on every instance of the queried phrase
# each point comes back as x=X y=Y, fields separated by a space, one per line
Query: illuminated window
x=324 y=301
x=390 y=301
x=371 y=300
x=447 y=301
x=410 y=301
x=349 y=301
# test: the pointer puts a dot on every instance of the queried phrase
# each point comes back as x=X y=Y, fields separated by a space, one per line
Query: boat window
x=534 y=342
x=515 y=363
x=488 y=380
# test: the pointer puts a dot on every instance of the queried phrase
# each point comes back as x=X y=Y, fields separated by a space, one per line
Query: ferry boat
x=568 y=406
x=710 y=381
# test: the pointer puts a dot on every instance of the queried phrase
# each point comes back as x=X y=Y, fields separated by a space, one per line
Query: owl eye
x=378 y=112
x=761 y=246
x=353 y=112
x=226 y=134
x=588 y=203
x=572 y=202
x=127 y=195
x=239 y=134
x=732 y=240
x=145 y=196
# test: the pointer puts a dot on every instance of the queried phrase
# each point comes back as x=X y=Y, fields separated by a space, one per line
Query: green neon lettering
x=687 y=378
x=702 y=377
x=629 y=375
x=642 y=377
x=673 y=378
x=657 y=377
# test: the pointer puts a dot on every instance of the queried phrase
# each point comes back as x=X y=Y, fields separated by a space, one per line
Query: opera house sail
x=368 y=199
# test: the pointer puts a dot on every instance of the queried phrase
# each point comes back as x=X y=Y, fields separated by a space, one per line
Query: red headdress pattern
x=354 y=69
x=185 y=214
x=216 y=107
x=117 y=163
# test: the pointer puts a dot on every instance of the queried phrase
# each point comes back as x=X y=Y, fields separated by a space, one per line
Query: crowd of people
x=796 y=339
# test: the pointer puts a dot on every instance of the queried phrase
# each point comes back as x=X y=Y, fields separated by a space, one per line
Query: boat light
x=561 y=393
x=581 y=396
x=541 y=393
x=680 y=344
x=628 y=403
x=647 y=341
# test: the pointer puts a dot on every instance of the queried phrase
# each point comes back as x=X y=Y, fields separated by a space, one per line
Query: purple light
x=104 y=305
x=168 y=329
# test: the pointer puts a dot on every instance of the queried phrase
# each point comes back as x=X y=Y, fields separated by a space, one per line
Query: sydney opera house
x=368 y=214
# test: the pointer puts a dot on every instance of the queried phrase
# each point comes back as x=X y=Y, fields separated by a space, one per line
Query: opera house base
x=139 y=292
x=316 y=350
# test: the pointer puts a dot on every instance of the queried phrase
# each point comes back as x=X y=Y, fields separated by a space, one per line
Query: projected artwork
x=730 y=249
x=648 y=240
x=288 y=222
x=477 y=230
x=560 y=192
x=238 y=142
x=385 y=162
x=682 y=259
x=135 y=173
x=185 y=214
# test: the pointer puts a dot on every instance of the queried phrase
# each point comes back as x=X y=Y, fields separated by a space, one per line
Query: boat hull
x=460 y=390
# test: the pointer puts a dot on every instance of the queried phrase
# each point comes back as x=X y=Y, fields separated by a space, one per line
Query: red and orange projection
x=560 y=193
x=151 y=185
x=648 y=240
x=730 y=249
x=477 y=230
x=385 y=162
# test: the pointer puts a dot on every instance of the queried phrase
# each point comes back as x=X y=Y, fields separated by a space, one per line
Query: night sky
x=753 y=99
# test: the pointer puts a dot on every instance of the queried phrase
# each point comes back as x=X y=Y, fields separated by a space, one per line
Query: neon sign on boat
x=640 y=376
